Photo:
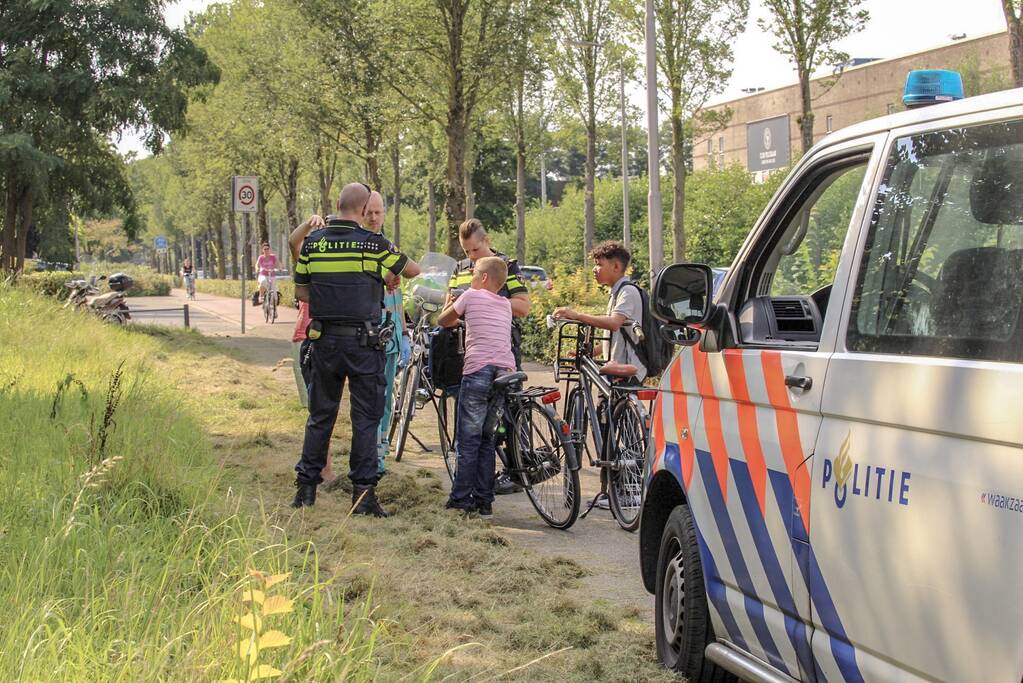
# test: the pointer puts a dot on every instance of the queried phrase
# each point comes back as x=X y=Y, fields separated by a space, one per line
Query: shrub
x=233 y=288
x=577 y=289
x=147 y=281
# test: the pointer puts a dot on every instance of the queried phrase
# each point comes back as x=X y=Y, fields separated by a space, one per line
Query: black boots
x=305 y=496
x=364 y=500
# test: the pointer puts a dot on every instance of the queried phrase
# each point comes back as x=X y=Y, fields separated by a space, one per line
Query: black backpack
x=654 y=351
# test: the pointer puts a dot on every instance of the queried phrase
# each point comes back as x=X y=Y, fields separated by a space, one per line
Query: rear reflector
x=566 y=428
x=646 y=395
x=552 y=397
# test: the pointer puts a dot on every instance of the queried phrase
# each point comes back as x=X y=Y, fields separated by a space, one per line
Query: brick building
x=756 y=135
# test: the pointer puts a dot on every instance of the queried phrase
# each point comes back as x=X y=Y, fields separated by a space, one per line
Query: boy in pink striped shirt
x=488 y=354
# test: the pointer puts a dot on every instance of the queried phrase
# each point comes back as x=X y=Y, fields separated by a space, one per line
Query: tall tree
x=694 y=53
x=453 y=52
x=806 y=32
x=75 y=71
x=1013 y=10
x=585 y=61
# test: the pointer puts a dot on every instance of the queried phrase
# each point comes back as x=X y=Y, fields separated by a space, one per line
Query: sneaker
x=485 y=510
x=504 y=486
x=604 y=503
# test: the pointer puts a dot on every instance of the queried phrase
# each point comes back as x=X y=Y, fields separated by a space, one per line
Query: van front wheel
x=682 y=619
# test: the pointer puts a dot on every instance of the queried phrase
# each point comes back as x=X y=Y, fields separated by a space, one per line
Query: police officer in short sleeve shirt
x=340 y=272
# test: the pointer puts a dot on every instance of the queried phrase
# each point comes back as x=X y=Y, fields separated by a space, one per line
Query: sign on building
x=767 y=144
x=160 y=243
x=244 y=191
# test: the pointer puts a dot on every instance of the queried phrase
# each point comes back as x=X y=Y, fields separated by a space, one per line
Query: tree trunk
x=10 y=223
x=221 y=253
x=206 y=268
x=372 y=162
x=470 y=196
x=26 y=206
x=589 y=204
x=520 y=184
x=431 y=216
x=396 y=168
x=457 y=123
x=325 y=166
x=454 y=183
x=247 y=248
x=232 y=227
x=1012 y=22
x=261 y=219
x=806 y=119
x=291 y=196
x=678 y=198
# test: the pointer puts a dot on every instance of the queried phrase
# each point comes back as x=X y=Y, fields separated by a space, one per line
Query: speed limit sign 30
x=244 y=192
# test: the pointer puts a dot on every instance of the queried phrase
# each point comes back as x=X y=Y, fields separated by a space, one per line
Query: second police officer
x=341 y=272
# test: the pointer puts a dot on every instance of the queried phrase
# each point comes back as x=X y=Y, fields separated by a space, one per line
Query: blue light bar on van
x=932 y=86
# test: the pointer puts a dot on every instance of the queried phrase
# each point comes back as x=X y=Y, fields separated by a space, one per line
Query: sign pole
x=653 y=201
x=245 y=227
x=244 y=192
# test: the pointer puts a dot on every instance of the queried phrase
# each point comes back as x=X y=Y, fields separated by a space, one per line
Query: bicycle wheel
x=266 y=307
x=446 y=432
x=407 y=412
x=575 y=416
x=542 y=449
x=626 y=475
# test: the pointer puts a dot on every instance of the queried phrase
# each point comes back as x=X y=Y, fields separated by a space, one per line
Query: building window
x=891 y=108
x=721 y=143
x=710 y=146
x=827 y=122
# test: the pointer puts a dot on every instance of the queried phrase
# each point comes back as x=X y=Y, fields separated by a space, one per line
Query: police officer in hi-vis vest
x=341 y=272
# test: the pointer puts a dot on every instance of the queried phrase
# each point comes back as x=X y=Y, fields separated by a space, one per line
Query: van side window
x=789 y=289
x=942 y=274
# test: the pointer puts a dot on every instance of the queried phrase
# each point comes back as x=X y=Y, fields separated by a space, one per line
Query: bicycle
x=535 y=447
x=532 y=441
x=270 y=301
x=414 y=388
x=617 y=422
x=190 y=285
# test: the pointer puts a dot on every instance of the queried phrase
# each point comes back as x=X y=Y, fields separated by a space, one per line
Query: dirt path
x=609 y=554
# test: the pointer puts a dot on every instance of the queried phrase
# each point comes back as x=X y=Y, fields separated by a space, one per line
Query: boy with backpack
x=626 y=308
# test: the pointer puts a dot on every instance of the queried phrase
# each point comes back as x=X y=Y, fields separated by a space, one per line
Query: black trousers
x=336 y=360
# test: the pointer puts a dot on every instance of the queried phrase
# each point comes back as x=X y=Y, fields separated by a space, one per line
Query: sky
x=895 y=27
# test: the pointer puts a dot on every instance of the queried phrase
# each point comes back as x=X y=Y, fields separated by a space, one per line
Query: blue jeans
x=474 y=480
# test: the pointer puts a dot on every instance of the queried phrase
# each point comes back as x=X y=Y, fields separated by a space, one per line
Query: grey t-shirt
x=626 y=301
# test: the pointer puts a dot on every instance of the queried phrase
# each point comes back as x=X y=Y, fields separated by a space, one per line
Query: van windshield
x=942 y=274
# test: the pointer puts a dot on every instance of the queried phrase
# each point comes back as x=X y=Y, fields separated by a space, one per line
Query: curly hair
x=612 y=250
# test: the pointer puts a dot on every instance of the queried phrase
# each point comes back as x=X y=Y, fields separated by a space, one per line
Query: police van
x=835 y=484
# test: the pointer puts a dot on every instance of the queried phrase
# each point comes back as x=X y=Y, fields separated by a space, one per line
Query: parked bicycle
x=607 y=419
x=189 y=279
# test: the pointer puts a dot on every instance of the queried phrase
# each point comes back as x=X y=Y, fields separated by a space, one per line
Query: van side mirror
x=682 y=294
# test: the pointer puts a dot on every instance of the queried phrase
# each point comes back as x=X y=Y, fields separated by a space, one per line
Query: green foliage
x=575 y=288
x=721 y=208
x=147 y=281
x=66 y=90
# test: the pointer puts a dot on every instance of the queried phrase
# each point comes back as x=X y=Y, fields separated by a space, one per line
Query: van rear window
x=942 y=274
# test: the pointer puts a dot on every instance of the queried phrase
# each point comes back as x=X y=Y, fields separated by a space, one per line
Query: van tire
x=682 y=638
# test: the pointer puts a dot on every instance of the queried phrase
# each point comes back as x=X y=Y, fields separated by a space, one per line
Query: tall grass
x=121 y=556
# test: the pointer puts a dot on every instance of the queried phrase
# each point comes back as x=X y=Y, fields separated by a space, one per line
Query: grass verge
x=135 y=568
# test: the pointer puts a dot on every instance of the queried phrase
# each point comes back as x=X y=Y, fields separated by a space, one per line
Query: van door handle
x=797 y=382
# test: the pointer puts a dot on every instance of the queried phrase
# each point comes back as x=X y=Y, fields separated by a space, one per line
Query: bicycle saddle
x=504 y=381
x=619 y=370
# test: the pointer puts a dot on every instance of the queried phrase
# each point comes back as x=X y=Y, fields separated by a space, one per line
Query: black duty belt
x=335 y=329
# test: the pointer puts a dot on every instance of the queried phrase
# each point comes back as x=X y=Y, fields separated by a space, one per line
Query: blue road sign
x=160 y=242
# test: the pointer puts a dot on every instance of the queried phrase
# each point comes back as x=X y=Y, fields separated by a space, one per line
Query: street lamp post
x=653 y=156
x=626 y=229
